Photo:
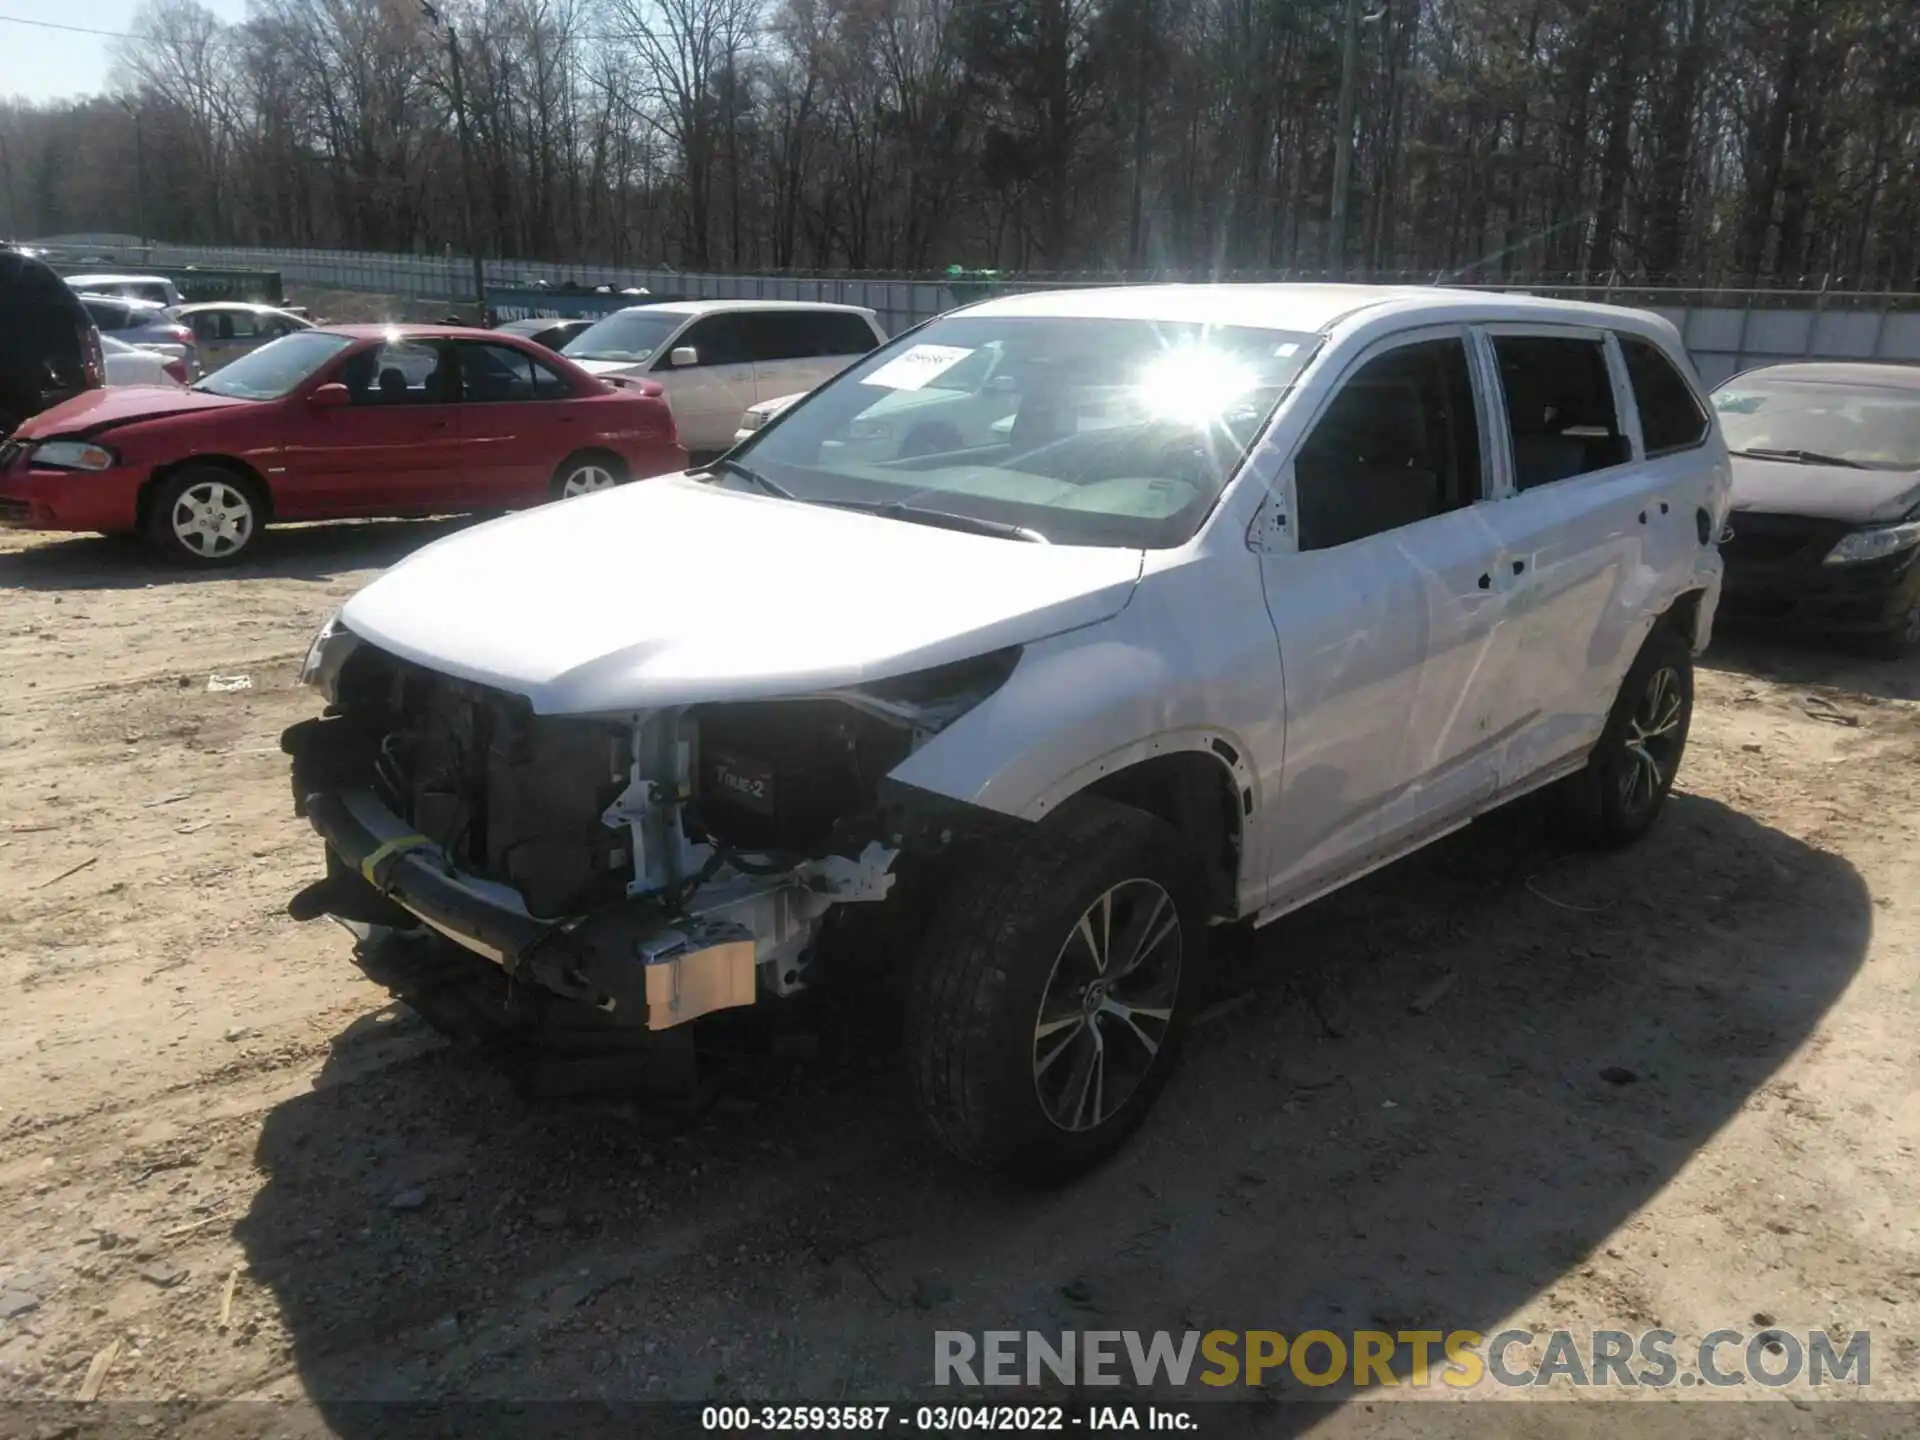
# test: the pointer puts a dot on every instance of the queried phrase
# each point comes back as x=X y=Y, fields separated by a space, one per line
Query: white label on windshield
x=921 y=364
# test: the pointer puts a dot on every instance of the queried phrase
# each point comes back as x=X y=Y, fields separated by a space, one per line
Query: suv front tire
x=1053 y=988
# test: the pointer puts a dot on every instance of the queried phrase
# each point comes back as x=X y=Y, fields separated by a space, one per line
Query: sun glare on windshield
x=1194 y=384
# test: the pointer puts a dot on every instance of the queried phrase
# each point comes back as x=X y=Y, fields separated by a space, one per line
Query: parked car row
x=143 y=324
x=347 y=421
x=331 y=423
x=1824 y=530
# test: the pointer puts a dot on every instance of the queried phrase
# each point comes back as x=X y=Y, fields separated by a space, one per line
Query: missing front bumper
x=640 y=967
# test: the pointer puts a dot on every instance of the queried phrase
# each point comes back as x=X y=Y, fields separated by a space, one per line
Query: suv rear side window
x=843 y=334
x=1559 y=407
x=1671 y=416
x=1399 y=443
x=805 y=334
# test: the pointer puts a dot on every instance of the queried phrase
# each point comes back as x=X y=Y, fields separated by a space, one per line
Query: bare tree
x=1672 y=139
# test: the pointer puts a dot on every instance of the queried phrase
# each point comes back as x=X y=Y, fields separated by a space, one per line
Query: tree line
x=1682 y=141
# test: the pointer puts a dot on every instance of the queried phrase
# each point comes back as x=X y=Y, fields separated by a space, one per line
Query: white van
x=719 y=358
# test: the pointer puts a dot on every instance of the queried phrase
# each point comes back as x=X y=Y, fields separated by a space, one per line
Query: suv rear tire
x=1048 y=1003
x=1624 y=787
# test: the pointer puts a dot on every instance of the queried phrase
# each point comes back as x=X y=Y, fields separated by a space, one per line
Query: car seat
x=441 y=385
x=1546 y=416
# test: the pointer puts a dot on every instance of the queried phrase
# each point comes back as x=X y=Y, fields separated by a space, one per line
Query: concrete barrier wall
x=1724 y=341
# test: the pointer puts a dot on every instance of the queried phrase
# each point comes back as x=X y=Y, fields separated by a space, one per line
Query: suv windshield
x=275 y=369
x=630 y=336
x=1876 y=429
x=1080 y=431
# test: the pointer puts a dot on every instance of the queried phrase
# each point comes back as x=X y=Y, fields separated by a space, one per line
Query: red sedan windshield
x=275 y=369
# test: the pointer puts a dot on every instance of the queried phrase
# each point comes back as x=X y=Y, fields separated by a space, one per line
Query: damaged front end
x=657 y=865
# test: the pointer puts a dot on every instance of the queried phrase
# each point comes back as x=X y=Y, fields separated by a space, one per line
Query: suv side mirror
x=330 y=397
x=683 y=356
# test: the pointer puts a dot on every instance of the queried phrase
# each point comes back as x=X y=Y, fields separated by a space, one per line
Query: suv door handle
x=1486 y=581
x=1519 y=567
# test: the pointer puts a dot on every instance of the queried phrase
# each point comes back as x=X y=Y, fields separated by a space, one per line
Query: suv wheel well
x=262 y=492
x=1197 y=795
x=1683 y=616
x=592 y=452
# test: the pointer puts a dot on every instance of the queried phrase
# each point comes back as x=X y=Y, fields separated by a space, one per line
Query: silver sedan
x=225 y=330
x=143 y=323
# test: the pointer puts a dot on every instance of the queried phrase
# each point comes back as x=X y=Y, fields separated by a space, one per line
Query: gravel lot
x=224 y=1149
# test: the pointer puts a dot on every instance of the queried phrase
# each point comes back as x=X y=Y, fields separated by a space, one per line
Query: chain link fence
x=1726 y=329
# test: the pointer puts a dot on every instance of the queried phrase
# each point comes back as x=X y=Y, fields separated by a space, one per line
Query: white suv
x=719 y=358
x=1260 y=588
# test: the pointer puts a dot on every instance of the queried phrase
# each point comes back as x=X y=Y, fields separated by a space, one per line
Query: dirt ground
x=230 y=1166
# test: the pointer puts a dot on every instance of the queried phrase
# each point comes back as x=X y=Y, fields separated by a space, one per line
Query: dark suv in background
x=49 y=348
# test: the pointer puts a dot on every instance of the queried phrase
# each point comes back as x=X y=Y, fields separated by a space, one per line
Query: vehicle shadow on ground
x=1812 y=660
x=1419 y=1104
x=283 y=552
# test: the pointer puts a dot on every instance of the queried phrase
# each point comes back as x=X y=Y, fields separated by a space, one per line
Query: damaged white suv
x=1059 y=629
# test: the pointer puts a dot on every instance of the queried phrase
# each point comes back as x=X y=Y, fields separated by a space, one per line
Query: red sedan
x=335 y=423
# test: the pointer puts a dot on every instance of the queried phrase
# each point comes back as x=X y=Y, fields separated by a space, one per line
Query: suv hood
x=96 y=411
x=675 y=592
x=1823 y=492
